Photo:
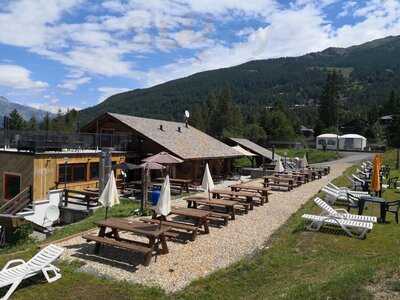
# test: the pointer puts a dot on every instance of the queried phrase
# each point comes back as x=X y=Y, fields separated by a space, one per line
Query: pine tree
x=16 y=121
x=329 y=101
x=32 y=124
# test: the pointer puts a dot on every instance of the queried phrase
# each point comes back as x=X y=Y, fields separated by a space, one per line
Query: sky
x=59 y=54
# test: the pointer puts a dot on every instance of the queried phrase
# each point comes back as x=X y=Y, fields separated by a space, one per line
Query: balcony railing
x=41 y=141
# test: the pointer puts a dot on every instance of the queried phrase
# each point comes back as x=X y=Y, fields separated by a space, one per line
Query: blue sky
x=58 y=54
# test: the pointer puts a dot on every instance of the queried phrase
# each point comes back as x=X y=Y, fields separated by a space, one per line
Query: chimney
x=161 y=127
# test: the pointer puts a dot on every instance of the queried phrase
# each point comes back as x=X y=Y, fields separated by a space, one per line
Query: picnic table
x=183 y=183
x=264 y=191
x=382 y=203
x=229 y=205
x=297 y=179
x=154 y=233
x=278 y=181
x=248 y=196
x=199 y=216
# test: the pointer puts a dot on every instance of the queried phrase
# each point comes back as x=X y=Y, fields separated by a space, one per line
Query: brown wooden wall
x=16 y=163
x=46 y=168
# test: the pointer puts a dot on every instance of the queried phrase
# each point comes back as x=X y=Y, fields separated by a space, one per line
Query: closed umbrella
x=376 y=182
x=304 y=162
x=163 y=206
x=279 y=166
x=109 y=197
x=207 y=182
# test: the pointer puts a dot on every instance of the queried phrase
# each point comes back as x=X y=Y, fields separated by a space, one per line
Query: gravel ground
x=222 y=247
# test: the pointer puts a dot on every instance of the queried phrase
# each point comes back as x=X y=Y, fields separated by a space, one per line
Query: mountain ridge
x=371 y=67
x=7 y=106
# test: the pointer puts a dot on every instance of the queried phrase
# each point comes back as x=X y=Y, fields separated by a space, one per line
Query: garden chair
x=342 y=213
x=356 y=185
x=41 y=263
x=352 y=228
x=391 y=184
x=393 y=207
x=346 y=189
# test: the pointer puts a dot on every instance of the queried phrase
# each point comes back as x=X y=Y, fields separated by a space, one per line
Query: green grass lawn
x=296 y=264
x=314 y=155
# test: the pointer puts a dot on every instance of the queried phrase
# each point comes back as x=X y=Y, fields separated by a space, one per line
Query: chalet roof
x=253 y=147
x=184 y=142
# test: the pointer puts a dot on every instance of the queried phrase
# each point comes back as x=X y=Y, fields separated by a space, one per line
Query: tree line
x=222 y=117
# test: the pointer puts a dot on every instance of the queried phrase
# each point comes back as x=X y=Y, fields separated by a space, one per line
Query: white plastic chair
x=41 y=262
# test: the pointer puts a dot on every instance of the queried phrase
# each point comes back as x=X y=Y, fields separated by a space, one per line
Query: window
x=94 y=171
x=12 y=185
x=331 y=142
x=75 y=173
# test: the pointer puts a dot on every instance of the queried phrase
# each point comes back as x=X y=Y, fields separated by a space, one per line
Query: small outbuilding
x=352 y=142
x=327 y=141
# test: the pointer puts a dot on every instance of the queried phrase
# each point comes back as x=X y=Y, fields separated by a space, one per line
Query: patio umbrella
x=163 y=206
x=163 y=158
x=109 y=197
x=376 y=182
x=279 y=167
x=207 y=182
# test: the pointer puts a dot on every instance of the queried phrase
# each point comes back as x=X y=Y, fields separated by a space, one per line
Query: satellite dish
x=52 y=213
x=187 y=114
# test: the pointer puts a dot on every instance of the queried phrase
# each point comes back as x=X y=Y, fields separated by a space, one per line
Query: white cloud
x=17 y=77
x=112 y=41
x=72 y=84
x=107 y=91
x=50 y=107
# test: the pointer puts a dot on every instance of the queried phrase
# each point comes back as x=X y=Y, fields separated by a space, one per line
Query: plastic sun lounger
x=342 y=213
x=41 y=262
x=352 y=228
x=347 y=190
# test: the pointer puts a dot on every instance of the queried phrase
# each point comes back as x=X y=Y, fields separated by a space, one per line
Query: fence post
x=65 y=197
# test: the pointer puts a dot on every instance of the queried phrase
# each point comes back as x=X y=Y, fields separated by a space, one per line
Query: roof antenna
x=187 y=115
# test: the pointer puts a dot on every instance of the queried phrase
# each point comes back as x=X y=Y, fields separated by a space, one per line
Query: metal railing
x=41 y=141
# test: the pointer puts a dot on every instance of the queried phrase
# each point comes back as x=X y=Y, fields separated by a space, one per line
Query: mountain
x=6 y=106
x=371 y=71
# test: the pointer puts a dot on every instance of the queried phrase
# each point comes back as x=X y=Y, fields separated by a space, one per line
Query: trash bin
x=155 y=195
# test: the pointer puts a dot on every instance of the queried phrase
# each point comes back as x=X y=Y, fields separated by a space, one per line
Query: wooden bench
x=217 y=216
x=272 y=181
x=175 y=225
x=123 y=244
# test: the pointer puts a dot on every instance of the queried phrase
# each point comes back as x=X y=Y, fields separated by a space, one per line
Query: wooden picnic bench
x=228 y=205
x=154 y=233
x=198 y=217
x=249 y=197
x=275 y=181
x=297 y=179
x=264 y=191
x=183 y=184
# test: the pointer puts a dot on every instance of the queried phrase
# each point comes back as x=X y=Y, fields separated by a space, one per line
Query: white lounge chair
x=352 y=228
x=347 y=190
x=342 y=213
x=41 y=262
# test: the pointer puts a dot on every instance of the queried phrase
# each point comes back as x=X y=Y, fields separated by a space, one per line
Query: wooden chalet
x=151 y=136
x=49 y=170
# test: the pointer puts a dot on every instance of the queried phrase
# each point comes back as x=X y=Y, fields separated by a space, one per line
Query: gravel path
x=222 y=247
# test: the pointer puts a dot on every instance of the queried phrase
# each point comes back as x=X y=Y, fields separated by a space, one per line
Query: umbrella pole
x=106 y=212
